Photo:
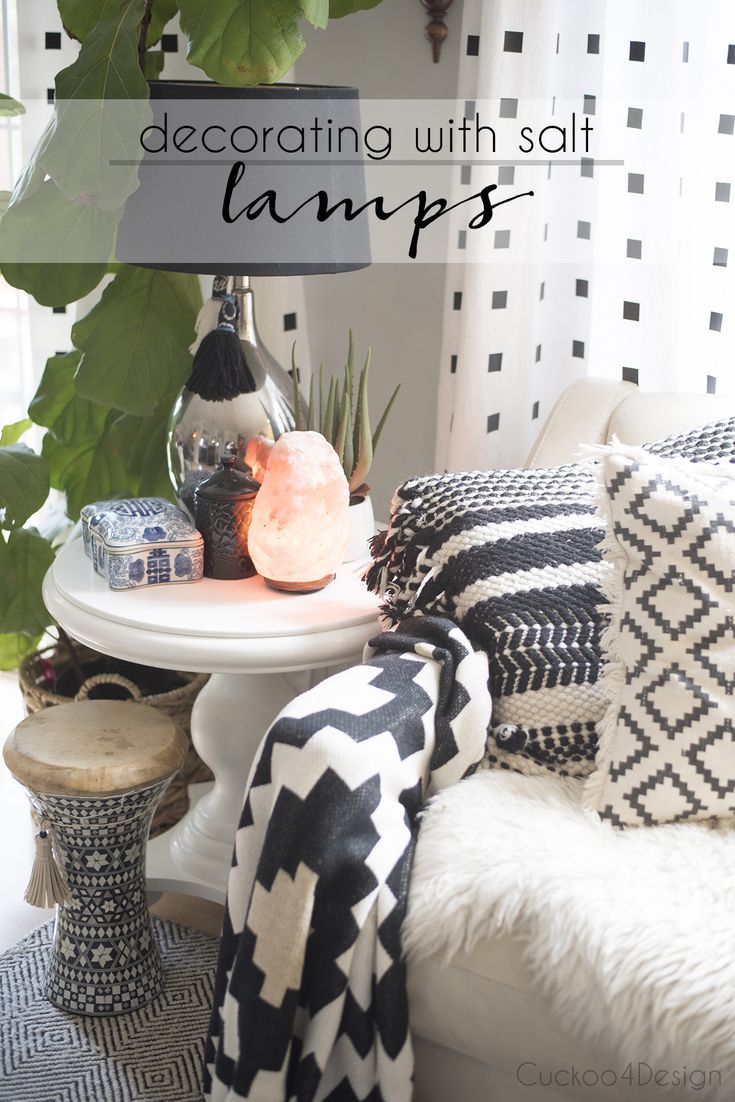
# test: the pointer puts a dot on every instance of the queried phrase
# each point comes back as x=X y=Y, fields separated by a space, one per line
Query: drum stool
x=94 y=772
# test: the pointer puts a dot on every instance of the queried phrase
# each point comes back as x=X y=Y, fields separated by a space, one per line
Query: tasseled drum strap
x=46 y=886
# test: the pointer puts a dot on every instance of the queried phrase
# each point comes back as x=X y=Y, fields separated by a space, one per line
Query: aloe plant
x=341 y=413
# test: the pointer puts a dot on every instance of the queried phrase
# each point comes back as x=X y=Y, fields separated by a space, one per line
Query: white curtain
x=620 y=270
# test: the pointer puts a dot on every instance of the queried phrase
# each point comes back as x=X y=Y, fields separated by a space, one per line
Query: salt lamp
x=257 y=454
x=299 y=527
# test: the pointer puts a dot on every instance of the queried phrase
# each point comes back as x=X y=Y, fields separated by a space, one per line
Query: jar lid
x=227 y=483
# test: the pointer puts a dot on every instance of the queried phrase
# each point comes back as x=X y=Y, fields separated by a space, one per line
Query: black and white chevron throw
x=513 y=557
x=310 y=996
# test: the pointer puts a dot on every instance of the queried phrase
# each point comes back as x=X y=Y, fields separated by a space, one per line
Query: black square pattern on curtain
x=629 y=239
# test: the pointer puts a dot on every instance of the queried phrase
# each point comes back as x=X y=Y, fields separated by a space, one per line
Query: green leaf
x=320 y=411
x=101 y=107
x=11 y=434
x=45 y=224
x=339 y=8
x=316 y=11
x=14 y=648
x=125 y=458
x=24 y=560
x=135 y=341
x=141 y=443
x=328 y=415
x=351 y=449
x=32 y=174
x=79 y=16
x=312 y=422
x=337 y=414
x=24 y=484
x=240 y=41
x=82 y=16
x=163 y=11
x=364 y=446
x=93 y=452
x=298 y=411
x=343 y=429
x=54 y=284
x=10 y=106
x=381 y=423
x=348 y=456
x=57 y=406
x=103 y=69
x=154 y=62
x=87 y=468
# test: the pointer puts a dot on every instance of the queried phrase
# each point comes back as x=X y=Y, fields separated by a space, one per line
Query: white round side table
x=262 y=649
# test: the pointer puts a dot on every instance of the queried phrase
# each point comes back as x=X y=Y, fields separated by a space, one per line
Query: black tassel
x=219 y=371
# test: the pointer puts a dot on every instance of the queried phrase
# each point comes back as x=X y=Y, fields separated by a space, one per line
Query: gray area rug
x=151 y=1055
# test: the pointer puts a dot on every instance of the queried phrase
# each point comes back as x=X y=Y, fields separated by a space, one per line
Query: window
x=16 y=375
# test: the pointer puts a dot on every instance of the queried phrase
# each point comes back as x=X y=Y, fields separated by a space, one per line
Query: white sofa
x=478 y=1019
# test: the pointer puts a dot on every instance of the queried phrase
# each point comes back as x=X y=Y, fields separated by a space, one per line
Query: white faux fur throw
x=630 y=934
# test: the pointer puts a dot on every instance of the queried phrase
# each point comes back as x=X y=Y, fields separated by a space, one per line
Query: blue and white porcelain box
x=141 y=541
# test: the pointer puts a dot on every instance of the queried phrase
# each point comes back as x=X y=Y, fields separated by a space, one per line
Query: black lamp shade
x=175 y=219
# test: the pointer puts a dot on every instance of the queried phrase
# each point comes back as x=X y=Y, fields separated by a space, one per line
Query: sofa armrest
x=581 y=416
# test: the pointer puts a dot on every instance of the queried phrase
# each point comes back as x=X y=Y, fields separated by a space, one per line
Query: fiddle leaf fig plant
x=103 y=406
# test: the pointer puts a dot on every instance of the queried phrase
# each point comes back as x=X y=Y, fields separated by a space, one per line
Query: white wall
x=395 y=308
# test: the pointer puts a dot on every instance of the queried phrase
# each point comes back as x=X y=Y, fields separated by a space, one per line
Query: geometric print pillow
x=667 y=742
x=513 y=557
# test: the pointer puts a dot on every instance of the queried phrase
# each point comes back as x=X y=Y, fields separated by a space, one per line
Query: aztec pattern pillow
x=667 y=743
x=513 y=557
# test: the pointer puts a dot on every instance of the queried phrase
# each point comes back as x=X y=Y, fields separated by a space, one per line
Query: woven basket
x=176 y=703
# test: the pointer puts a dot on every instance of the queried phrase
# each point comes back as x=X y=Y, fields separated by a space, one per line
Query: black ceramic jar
x=222 y=510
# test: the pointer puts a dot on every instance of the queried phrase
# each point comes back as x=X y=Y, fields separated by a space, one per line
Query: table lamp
x=294 y=141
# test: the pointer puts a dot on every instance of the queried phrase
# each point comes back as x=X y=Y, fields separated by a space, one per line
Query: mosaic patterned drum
x=94 y=772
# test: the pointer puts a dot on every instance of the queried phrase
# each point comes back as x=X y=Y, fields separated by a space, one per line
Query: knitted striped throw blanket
x=512 y=556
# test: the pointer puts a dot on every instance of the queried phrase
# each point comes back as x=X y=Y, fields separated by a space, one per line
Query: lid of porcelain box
x=139 y=524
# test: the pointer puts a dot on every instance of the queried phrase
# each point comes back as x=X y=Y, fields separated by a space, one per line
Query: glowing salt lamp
x=257 y=454
x=299 y=527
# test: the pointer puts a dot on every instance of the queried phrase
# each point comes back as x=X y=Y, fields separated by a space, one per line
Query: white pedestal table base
x=229 y=719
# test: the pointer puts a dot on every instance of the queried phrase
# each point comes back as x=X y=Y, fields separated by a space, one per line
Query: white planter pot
x=362 y=528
